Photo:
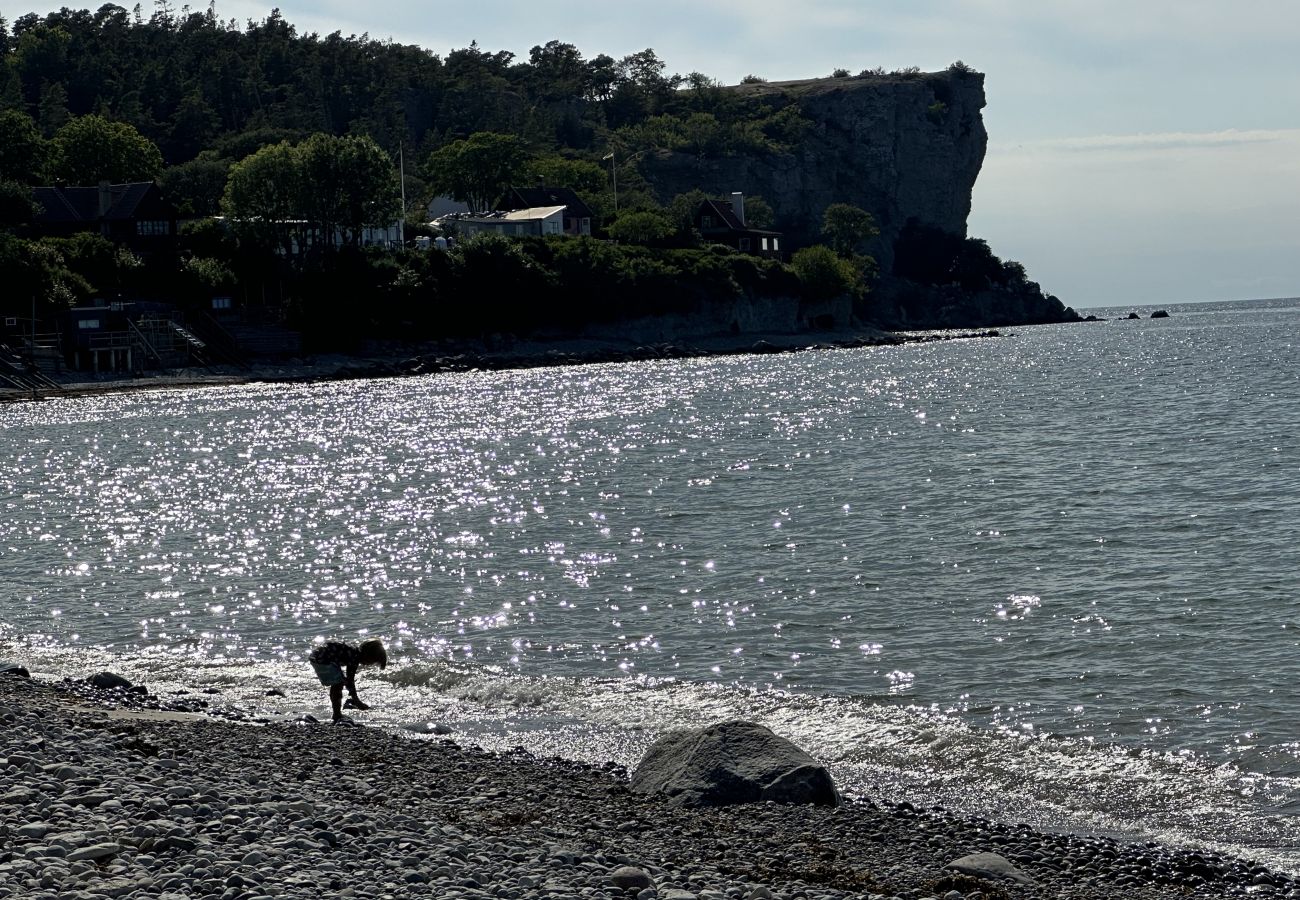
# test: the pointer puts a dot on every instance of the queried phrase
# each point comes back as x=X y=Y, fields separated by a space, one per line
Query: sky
x=1140 y=151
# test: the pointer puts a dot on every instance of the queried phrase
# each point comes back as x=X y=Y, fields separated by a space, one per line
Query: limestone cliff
x=898 y=146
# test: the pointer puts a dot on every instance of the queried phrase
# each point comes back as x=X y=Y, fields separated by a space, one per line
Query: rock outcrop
x=899 y=146
x=729 y=763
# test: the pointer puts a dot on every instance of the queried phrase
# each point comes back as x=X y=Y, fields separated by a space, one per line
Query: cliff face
x=899 y=147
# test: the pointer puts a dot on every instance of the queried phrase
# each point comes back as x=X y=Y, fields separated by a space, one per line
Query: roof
x=519 y=198
x=81 y=204
x=728 y=218
x=532 y=213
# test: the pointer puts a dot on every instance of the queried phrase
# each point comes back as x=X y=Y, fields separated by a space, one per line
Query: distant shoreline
x=465 y=356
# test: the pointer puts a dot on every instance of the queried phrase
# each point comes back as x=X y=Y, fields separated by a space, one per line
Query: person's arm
x=349 y=680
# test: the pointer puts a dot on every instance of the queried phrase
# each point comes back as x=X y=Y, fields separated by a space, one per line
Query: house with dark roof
x=719 y=222
x=135 y=215
x=577 y=215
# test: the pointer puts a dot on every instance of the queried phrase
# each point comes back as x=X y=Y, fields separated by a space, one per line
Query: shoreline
x=486 y=355
x=105 y=799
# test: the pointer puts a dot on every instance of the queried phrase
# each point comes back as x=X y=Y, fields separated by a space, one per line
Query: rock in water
x=989 y=865
x=8 y=668
x=729 y=763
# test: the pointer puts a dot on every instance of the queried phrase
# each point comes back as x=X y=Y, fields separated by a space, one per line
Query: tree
x=562 y=74
x=347 y=183
x=16 y=204
x=846 y=227
x=331 y=186
x=477 y=170
x=92 y=149
x=193 y=126
x=823 y=273
x=759 y=213
x=263 y=195
x=195 y=187
x=642 y=226
x=21 y=148
x=586 y=178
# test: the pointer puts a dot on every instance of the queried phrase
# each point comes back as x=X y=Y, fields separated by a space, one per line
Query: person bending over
x=336 y=665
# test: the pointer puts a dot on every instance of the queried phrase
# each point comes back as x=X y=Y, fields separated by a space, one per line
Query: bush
x=823 y=274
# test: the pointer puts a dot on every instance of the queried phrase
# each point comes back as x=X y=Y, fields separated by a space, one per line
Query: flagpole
x=401 y=168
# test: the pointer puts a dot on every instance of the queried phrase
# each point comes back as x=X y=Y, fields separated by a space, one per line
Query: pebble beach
x=102 y=797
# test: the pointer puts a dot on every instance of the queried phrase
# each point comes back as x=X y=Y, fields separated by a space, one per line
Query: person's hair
x=372 y=652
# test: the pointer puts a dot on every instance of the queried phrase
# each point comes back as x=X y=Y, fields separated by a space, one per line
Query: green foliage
x=195 y=187
x=263 y=193
x=759 y=213
x=683 y=207
x=931 y=256
x=209 y=276
x=477 y=170
x=753 y=79
x=347 y=183
x=37 y=270
x=584 y=177
x=22 y=149
x=92 y=149
x=16 y=204
x=823 y=273
x=642 y=226
x=847 y=227
x=325 y=189
x=936 y=112
x=716 y=134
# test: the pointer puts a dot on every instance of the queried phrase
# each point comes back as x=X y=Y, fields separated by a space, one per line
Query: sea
x=1049 y=577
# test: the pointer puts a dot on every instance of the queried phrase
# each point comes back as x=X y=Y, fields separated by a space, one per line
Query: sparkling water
x=1051 y=577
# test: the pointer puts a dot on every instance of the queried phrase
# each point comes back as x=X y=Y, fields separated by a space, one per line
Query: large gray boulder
x=732 y=762
x=989 y=865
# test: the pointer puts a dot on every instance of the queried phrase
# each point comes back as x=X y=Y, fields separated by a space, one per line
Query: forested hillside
x=268 y=126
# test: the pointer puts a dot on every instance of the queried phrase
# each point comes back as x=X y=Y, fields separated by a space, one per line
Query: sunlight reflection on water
x=1069 y=531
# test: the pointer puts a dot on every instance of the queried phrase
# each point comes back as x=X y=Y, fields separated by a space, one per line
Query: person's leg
x=336 y=700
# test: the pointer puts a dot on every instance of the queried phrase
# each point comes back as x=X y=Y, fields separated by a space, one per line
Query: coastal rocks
x=9 y=668
x=225 y=811
x=729 y=763
x=108 y=681
x=94 y=852
x=989 y=865
x=1160 y=314
x=631 y=877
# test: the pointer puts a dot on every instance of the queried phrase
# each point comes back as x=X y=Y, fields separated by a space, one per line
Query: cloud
x=1101 y=143
x=1148 y=217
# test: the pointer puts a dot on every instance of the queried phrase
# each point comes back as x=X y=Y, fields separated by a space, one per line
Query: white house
x=537 y=220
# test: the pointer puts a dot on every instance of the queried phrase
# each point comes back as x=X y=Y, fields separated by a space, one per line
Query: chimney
x=105 y=198
x=738 y=205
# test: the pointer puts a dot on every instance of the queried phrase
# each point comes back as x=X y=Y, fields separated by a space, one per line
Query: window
x=706 y=221
x=152 y=227
x=88 y=323
x=765 y=245
x=776 y=243
x=221 y=303
x=744 y=243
